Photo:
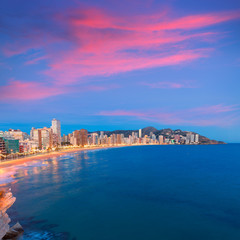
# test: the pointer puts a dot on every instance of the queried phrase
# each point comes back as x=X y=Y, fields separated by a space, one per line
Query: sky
x=120 y=64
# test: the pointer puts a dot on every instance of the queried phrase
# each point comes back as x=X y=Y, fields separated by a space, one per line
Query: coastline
x=23 y=160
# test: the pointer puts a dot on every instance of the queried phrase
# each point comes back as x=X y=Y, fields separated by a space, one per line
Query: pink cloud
x=95 y=18
x=165 y=85
x=215 y=109
x=97 y=43
x=197 y=21
x=70 y=69
x=102 y=42
x=27 y=91
x=24 y=91
x=197 y=116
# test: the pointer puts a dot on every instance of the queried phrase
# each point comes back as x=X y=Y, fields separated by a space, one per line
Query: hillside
x=167 y=132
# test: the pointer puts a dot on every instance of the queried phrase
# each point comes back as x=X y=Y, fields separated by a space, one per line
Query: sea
x=161 y=192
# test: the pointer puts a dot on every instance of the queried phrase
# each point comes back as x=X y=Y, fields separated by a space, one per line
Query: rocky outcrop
x=6 y=201
x=13 y=232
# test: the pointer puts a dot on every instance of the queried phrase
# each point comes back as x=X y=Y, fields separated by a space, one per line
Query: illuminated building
x=197 y=138
x=17 y=134
x=2 y=147
x=93 y=140
x=56 y=129
x=11 y=145
x=140 y=133
x=160 y=139
x=43 y=137
x=80 y=137
x=28 y=145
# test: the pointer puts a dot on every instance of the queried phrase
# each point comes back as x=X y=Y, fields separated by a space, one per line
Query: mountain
x=148 y=130
x=167 y=133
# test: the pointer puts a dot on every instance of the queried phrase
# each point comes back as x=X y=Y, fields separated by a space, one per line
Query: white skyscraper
x=140 y=133
x=196 y=138
x=56 y=127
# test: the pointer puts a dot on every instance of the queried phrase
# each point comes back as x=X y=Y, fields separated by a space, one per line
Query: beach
x=23 y=160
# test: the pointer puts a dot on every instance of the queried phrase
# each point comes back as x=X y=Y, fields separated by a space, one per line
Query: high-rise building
x=17 y=134
x=80 y=137
x=192 y=138
x=188 y=138
x=83 y=137
x=56 y=128
x=47 y=137
x=153 y=137
x=113 y=139
x=3 y=150
x=11 y=145
x=197 y=138
x=36 y=137
x=119 y=139
x=140 y=133
x=94 y=139
x=43 y=137
x=160 y=139
x=101 y=135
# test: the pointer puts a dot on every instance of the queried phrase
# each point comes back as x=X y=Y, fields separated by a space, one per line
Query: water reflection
x=16 y=173
x=43 y=171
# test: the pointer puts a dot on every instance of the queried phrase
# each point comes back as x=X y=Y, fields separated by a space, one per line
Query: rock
x=6 y=201
x=14 y=232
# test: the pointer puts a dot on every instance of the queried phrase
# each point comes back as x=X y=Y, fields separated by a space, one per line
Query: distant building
x=197 y=138
x=119 y=139
x=188 y=138
x=11 y=145
x=17 y=134
x=35 y=135
x=3 y=149
x=56 y=129
x=140 y=133
x=65 y=139
x=8 y=144
x=113 y=139
x=94 y=139
x=80 y=137
x=192 y=138
x=28 y=145
x=43 y=137
x=177 y=138
x=153 y=137
x=161 y=139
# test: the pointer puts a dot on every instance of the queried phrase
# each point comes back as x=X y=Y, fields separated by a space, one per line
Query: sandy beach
x=19 y=161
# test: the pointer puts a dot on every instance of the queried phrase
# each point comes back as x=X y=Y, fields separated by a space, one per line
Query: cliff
x=6 y=201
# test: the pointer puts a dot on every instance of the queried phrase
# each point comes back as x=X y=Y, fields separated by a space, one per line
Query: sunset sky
x=111 y=64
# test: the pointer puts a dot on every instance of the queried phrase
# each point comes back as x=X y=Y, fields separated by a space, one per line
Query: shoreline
x=18 y=161
x=23 y=160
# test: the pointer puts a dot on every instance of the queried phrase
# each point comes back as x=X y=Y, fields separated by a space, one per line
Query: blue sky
x=106 y=65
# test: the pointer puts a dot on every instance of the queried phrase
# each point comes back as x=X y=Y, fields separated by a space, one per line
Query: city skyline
x=15 y=143
x=105 y=66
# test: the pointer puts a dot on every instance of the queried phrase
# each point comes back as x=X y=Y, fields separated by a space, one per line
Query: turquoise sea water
x=142 y=192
